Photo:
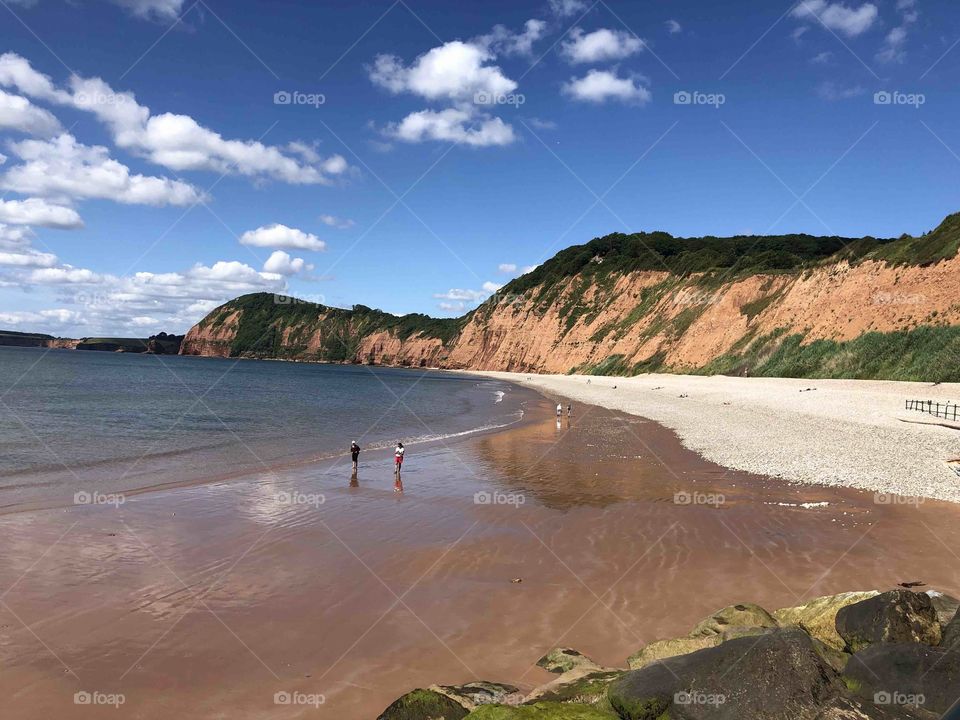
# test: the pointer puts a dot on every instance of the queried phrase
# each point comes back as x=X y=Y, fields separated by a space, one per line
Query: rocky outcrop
x=742 y=663
x=897 y=616
x=819 y=616
x=910 y=675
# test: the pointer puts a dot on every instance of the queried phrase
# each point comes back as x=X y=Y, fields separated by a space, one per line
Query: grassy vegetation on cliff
x=278 y=326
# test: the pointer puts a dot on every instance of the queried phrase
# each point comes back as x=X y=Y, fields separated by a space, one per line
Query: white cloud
x=600 y=45
x=491 y=287
x=454 y=307
x=830 y=90
x=503 y=40
x=42 y=321
x=894 y=44
x=530 y=268
x=453 y=71
x=507 y=268
x=174 y=141
x=453 y=125
x=673 y=27
x=822 y=58
x=459 y=294
x=281 y=236
x=851 y=21
x=64 y=275
x=65 y=168
x=28 y=258
x=18 y=113
x=598 y=86
x=542 y=124
x=337 y=222
x=158 y=9
x=282 y=264
x=36 y=211
x=566 y=8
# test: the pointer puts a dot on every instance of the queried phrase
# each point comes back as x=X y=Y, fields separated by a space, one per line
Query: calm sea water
x=110 y=422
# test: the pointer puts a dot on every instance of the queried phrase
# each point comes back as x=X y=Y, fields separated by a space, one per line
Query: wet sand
x=206 y=601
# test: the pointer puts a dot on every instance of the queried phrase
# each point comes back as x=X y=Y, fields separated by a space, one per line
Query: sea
x=95 y=422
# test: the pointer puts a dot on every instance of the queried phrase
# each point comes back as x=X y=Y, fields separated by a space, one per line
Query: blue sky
x=163 y=156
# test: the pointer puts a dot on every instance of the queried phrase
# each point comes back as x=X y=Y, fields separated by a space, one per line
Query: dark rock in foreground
x=906 y=674
x=775 y=675
x=897 y=616
x=424 y=705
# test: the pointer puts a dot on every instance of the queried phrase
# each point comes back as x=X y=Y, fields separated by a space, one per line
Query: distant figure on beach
x=398 y=461
x=398 y=456
x=559 y=409
x=569 y=411
x=355 y=454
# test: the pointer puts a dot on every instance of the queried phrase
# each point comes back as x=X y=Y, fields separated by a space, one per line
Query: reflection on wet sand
x=212 y=599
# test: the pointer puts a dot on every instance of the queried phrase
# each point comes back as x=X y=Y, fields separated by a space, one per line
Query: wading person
x=559 y=409
x=355 y=455
x=398 y=462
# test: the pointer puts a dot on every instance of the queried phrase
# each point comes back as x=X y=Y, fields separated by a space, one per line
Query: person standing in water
x=355 y=455
x=398 y=461
x=569 y=411
x=559 y=409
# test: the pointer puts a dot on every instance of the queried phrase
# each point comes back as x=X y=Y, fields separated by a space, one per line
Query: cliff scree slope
x=792 y=305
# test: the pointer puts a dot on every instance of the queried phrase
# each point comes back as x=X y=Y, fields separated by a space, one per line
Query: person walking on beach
x=398 y=461
x=559 y=409
x=569 y=411
x=355 y=455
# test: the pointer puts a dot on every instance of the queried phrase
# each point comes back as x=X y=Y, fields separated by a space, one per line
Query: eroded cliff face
x=631 y=322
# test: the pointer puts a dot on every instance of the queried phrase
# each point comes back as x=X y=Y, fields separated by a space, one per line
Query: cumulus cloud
x=44 y=320
x=453 y=71
x=850 y=21
x=281 y=236
x=282 y=264
x=36 y=211
x=453 y=125
x=894 y=43
x=673 y=27
x=174 y=141
x=65 y=168
x=337 y=222
x=18 y=113
x=156 y=9
x=507 y=268
x=598 y=86
x=491 y=287
x=459 y=294
x=503 y=40
x=566 y=8
x=600 y=45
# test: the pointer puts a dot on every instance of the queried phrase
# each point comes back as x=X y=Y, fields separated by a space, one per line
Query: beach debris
x=912 y=584
x=658 y=387
x=517 y=580
x=683 y=396
x=807 y=389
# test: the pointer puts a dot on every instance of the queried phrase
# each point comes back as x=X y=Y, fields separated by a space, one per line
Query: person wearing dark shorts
x=355 y=454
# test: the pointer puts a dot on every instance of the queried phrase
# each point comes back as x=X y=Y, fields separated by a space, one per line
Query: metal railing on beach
x=947 y=411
